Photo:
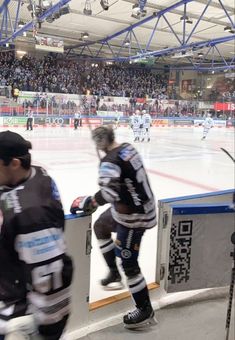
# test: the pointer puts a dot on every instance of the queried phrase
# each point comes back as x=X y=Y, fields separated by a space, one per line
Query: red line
x=181 y=180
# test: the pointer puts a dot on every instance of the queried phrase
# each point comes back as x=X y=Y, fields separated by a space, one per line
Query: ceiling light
x=127 y=42
x=200 y=54
x=85 y=35
x=182 y=54
x=229 y=29
x=21 y=24
x=87 y=9
x=104 y=4
x=137 y=13
x=187 y=19
x=46 y=4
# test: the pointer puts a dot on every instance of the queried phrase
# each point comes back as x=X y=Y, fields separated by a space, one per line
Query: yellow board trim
x=116 y=298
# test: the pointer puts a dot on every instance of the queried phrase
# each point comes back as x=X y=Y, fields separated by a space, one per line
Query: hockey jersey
x=35 y=272
x=147 y=120
x=135 y=121
x=124 y=183
x=208 y=122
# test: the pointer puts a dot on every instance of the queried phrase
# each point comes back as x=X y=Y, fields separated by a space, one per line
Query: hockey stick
x=229 y=308
x=230 y=301
x=224 y=150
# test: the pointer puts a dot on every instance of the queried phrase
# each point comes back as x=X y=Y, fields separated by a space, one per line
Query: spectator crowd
x=68 y=76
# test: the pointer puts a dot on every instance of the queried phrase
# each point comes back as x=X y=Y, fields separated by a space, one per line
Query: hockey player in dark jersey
x=123 y=183
x=35 y=272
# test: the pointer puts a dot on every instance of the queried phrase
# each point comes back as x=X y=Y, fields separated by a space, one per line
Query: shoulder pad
x=127 y=152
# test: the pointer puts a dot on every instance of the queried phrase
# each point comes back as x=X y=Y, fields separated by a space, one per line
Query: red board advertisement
x=224 y=106
x=91 y=121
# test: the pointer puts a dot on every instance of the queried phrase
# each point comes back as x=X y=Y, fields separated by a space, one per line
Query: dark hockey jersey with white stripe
x=124 y=183
x=35 y=272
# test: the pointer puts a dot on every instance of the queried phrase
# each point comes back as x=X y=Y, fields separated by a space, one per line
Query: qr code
x=180 y=252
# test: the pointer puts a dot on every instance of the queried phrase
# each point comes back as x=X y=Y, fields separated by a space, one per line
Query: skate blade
x=113 y=286
x=144 y=324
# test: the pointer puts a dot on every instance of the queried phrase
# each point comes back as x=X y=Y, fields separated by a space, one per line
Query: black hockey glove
x=87 y=204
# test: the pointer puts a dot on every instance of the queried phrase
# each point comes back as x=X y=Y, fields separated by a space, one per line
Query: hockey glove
x=87 y=204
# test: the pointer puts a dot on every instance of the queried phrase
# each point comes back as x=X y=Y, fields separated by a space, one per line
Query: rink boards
x=193 y=251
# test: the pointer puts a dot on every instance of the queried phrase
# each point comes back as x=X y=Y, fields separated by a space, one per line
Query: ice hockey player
x=35 y=272
x=135 y=124
x=147 y=122
x=77 y=120
x=29 y=123
x=117 y=119
x=207 y=125
x=124 y=184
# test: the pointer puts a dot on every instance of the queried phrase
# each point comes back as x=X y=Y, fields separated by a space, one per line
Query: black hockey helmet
x=103 y=136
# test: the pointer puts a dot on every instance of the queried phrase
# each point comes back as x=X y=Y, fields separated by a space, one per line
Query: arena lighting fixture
x=87 y=9
x=182 y=54
x=46 y=4
x=21 y=24
x=187 y=19
x=137 y=13
x=104 y=4
x=127 y=43
x=62 y=11
x=229 y=29
x=85 y=35
x=200 y=54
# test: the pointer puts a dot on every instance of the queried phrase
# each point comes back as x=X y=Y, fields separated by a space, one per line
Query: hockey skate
x=113 y=281
x=139 y=318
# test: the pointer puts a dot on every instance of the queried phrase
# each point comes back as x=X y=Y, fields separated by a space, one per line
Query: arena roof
x=174 y=32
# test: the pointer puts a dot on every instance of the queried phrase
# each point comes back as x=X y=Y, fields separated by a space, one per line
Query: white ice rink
x=178 y=163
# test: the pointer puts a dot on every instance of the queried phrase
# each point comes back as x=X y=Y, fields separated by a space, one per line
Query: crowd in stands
x=68 y=76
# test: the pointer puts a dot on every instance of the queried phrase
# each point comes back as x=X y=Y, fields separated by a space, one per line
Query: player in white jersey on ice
x=146 y=121
x=135 y=125
x=207 y=125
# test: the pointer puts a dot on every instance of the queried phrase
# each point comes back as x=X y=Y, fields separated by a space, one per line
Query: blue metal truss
x=9 y=29
x=129 y=47
x=136 y=50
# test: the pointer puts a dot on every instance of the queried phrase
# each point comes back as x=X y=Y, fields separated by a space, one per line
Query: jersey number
x=48 y=277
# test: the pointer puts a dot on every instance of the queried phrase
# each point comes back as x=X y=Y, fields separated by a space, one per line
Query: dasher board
x=199 y=246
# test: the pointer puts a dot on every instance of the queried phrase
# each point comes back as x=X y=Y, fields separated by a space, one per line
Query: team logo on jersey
x=126 y=253
x=1 y=220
